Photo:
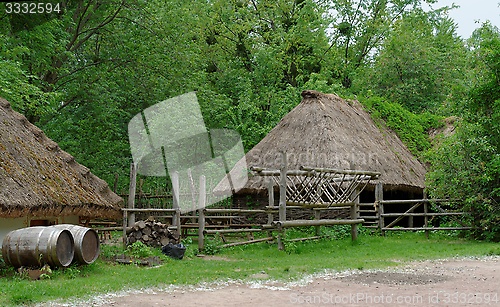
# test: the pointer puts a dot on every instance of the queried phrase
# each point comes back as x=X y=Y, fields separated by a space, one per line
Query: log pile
x=150 y=233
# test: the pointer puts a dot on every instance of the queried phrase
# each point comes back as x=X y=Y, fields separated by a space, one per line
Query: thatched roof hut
x=327 y=131
x=39 y=179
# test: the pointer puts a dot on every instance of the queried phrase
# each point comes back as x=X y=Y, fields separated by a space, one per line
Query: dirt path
x=455 y=282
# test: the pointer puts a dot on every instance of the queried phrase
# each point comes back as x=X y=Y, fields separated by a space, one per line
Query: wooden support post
x=201 y=214
x=426 y=217
x=131 y=194
x=124 y=229
x=379 y=197
x=282 y=204
x=317 y=216
x=270 y=218
x=354 y=214
x=176 y=219
x=410 y=221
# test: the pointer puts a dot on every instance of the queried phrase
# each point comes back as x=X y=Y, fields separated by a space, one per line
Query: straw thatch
x=327 y=131
x=37 y=178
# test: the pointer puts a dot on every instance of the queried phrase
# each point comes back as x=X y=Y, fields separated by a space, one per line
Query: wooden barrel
x=37 y=246
x=87 y=246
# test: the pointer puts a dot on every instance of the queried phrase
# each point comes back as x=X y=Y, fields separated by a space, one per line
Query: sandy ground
x=453 y=282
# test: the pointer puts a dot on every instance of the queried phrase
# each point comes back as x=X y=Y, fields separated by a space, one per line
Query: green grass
x=300 y=259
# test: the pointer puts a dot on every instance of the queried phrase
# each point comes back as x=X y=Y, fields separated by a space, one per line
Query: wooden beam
x=208 y=210
x=176 y=220
x=305 y=239
x=301 y=223
x=282 y=203
x=248 y=242
x=242 y=230
x=201 y=213
x=131 y=193
x=424 y=214
x=340 y=171
x=379 y=206
x=354 y=215
x=147 y=210
x=414 y=201
x=427 y=228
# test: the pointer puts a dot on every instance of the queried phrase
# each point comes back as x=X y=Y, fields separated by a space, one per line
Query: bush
x=411 y=128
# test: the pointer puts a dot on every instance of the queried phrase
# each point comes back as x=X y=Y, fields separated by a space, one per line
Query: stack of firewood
x=150 y=233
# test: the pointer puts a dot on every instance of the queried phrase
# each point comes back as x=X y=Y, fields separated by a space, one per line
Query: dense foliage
x=467 y=164
x=83 y=73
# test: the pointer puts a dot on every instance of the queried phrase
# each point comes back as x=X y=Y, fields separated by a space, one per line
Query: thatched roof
x=327 y=131
x=37 y=178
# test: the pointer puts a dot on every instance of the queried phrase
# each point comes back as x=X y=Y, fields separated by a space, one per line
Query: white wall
x=8 y=224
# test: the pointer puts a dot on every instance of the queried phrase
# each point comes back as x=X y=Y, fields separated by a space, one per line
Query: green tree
x=358 y=28
x=467 y=165
x=421 y=63
x=259 y=55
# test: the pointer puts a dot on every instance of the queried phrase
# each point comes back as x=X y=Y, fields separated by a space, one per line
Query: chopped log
x=146 y=231
x=151 y=233
x=137 y=234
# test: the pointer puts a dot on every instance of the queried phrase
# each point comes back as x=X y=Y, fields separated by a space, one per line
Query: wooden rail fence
x=395 y=224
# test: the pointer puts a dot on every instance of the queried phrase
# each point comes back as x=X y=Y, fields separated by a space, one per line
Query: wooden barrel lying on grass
x=87 y=246
x=37 y=246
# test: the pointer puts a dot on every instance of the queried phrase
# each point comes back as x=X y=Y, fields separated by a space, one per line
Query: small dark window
x=39 y=223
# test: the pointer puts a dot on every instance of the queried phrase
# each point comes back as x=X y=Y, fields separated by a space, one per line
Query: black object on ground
x=175 y=251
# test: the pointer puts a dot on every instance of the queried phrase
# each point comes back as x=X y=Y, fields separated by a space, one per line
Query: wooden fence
x=427 y=214
x=219 y=221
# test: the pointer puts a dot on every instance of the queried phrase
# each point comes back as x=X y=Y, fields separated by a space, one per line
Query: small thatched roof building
x=38 y=179
x=327 y=131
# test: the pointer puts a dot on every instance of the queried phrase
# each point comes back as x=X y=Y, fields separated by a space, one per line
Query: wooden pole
x=201 y=214
x=270 y=192
x=124 y=229
x=176 y=219
x=354 y=214
x=317 y=216
x=301 y=223
x=282 y=204
x=379 y=197
x=426 y=217
x=248 y=242
x=131 y=194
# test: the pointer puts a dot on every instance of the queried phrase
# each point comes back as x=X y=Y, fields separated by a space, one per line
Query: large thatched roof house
x=327 y=131
x=40 y=183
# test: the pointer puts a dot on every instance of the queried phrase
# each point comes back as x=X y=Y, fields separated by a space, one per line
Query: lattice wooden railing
x=320 y=187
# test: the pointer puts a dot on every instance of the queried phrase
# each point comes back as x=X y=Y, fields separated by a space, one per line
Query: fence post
x=176 y=219
x=270 y=218
x=131 y=194
x=282 y=204
x=426 y=217
x=379 y=197
x=354 y=214
x=125 y=229
x=201 y=213
x=317 y=216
